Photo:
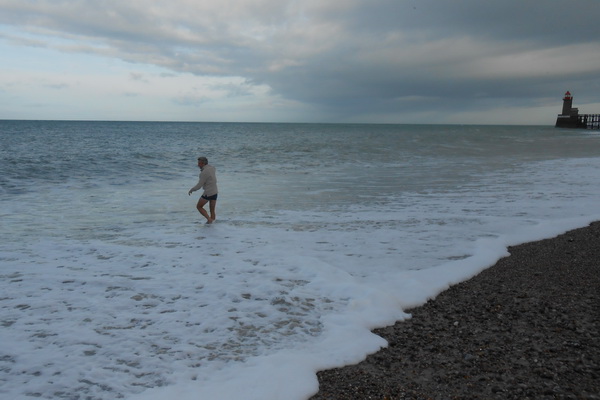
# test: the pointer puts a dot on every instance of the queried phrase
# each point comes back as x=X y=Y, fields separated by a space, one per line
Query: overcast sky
x=389 y=61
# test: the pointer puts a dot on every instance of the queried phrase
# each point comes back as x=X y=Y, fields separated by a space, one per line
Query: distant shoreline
x=269 y=122
x=528 y=327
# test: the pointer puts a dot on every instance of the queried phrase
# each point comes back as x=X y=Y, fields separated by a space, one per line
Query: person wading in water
x=208 y=182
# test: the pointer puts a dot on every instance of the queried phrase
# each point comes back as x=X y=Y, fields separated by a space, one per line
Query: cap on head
x=204 y=160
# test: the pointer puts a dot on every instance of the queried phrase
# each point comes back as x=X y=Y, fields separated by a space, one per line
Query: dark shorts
x=213 y=197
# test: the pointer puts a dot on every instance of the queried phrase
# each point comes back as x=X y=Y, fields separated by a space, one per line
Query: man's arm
x=201 y=182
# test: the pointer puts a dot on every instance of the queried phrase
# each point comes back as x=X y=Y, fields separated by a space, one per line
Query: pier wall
x=578 y=121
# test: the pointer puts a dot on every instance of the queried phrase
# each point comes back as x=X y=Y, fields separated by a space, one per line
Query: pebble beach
x=526 y=328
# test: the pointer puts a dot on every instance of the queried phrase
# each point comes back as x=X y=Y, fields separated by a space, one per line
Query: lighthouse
x=567 y=104
x=570 y=118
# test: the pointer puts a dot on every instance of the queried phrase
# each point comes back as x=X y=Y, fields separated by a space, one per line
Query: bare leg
x=200 y=207
x=213 y=205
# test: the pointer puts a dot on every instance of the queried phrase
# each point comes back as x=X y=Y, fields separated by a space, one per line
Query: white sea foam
x=113 y=287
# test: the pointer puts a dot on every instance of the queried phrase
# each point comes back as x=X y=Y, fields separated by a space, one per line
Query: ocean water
x=113 y=287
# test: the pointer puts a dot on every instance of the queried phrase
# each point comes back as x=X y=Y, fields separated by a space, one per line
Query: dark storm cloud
x=468 y=50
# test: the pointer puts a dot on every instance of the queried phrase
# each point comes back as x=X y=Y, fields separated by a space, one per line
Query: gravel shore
x=526 y=328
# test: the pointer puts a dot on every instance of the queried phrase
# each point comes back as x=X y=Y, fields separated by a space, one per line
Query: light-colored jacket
x=207 y=181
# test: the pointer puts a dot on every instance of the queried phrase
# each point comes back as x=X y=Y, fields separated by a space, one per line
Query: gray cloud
x=57 y=86
x=190 y=100
x=346 y=57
